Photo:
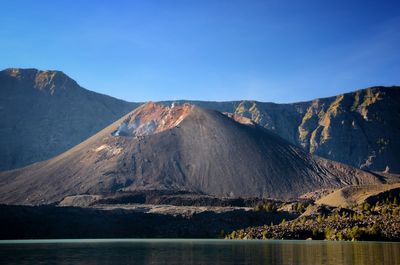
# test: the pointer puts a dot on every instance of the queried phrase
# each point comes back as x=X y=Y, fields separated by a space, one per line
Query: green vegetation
x=268 y=207
x=319 y=219
x=368 y=221
x=355 y=233
x=264 y=234
x=366 y=207
x=329 y=233
x=300 y=207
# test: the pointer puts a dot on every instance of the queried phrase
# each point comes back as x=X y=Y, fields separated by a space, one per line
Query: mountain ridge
x=203 y=152
x=319 y=125
x=43 y=113
x=357 y=128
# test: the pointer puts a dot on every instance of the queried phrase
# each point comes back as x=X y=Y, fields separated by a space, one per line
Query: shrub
x=319 y=219
x=242 y=234
x=361 y=216
x=396 y=211
x=315 y=232
x=264 y=234
x=329 y=233
x=300 y=207
x=374 y=230
x=356 y=233
x=366 y=207
x=339 y=235
x=337 y=217
x=269 y=207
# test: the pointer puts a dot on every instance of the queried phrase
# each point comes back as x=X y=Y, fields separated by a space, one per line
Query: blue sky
x=279 y=51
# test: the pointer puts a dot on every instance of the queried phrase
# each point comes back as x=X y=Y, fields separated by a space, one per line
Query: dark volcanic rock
x=44 y=113
x=178 y=198
x=360 y=128
x=181 y=147
x=70 y=222
x=333 y=224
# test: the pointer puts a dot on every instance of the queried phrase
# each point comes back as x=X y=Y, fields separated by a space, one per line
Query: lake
x=196 y=251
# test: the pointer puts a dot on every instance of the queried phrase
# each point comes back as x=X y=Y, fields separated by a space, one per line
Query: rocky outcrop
x=358 y=128
x=380 y=222
x=186 y=148
x=119 y=222
x=44 y=113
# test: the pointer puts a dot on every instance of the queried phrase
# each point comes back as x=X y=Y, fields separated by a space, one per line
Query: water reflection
x=202 y=252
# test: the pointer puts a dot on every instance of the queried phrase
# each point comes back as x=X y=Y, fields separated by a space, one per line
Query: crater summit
x=179 y=148
x=152 y=118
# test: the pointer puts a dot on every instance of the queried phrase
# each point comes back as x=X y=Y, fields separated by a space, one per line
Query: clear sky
x=280 y=51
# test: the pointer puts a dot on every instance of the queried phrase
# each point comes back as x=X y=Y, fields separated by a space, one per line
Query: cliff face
x=179 y=148
x=43 y=113
x=359 y=128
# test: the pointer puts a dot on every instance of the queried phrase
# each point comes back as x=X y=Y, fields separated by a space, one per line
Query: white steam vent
x=152 y=118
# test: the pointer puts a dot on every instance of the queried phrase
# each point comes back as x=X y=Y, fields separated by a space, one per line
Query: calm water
x=171 y=251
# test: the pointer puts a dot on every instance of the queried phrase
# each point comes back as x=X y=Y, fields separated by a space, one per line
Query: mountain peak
x=152 y=118
x=178 y=148
x=45 y=80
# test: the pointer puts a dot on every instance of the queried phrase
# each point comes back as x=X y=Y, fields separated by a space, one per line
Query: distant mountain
x=360 y=128
x=43 y=113
x=179 y=148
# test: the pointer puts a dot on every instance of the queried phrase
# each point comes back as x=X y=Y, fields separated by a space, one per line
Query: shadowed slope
x=359 y=128
x=44 y=113
x=188 y=148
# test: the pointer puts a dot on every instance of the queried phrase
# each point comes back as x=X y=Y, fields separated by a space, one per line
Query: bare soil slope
x=359 y=128
x=179 y=147
x=354 y=195
x=44 y=113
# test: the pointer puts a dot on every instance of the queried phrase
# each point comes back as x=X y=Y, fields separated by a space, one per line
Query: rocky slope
x=149 y=222
x=356 y=195
x=360 y=128
x=377 y=218
x=179 y=147
x=43 y=113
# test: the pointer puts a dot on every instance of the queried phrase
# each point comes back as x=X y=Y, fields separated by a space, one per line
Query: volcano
x=179 y=148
